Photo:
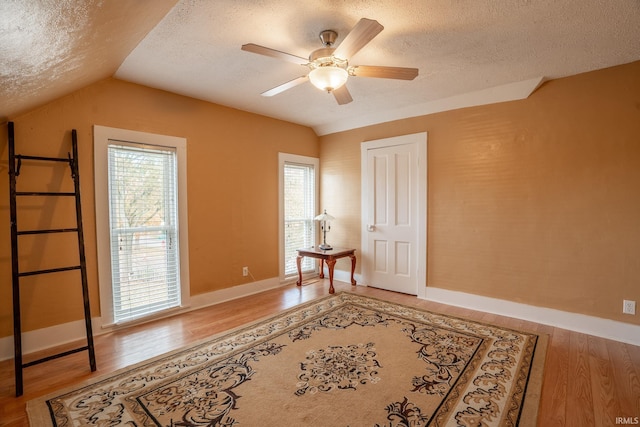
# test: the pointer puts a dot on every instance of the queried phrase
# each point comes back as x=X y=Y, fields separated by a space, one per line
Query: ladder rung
x=55 y=356
x=42 y=193
x=50 y=270
x=54 y=230
x=47 y=159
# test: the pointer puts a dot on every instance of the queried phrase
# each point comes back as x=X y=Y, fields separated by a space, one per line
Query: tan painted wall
x=232 y=191
x=534 y=201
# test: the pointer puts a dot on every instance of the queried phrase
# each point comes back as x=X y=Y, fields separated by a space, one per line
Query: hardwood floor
x=589 y=381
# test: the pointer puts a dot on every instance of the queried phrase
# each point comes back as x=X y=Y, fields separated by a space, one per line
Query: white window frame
x=303 y=160
x=102 y=137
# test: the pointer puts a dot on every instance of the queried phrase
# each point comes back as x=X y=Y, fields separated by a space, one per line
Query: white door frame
x=421 y=140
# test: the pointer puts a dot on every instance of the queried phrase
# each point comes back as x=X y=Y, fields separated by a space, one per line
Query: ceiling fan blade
x=342 y=95
x=364 y=31
x=400 y=73
x=261 y=50
x=288 y=85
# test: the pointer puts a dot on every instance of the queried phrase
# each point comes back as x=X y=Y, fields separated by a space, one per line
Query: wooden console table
x=330 y=256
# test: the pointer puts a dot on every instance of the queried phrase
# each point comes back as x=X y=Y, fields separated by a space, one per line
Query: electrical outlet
x=245 y=271
x=628 y=307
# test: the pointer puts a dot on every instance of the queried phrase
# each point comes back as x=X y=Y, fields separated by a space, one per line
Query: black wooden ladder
x=15 y=162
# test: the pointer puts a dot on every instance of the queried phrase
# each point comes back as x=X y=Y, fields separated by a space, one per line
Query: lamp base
x=325 y=247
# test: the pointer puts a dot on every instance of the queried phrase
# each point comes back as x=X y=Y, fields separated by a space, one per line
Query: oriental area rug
x=342 y=360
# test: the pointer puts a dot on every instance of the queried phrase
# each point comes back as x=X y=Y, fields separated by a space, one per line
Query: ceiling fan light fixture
x=328 y=78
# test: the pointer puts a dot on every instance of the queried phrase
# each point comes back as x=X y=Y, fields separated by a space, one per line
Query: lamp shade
x=324 y=217
x=328 y=77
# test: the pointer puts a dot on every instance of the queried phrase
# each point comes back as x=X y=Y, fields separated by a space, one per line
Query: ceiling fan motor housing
x=323 y=57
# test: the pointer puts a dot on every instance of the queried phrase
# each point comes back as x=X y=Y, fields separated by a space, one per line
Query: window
x=298 y=201
x=138 y=179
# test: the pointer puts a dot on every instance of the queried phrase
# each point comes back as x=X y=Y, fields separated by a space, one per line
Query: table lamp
x=325 y=226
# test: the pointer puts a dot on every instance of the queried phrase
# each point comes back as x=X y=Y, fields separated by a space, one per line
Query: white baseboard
x=605 y=328
x=42 y=339
x=235 y=292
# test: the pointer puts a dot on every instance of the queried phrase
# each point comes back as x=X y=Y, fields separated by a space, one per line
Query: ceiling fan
x=329 y=67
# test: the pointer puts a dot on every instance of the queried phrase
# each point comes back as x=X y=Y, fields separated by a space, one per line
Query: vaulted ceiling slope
x=468 y=52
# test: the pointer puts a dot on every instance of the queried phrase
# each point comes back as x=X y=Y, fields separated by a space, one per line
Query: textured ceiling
x=468 y=52
x=49 y=48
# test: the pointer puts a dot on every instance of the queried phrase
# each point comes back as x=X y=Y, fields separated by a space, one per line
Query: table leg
x=331 y=262
x=321 y=275
x=353 y=269
x=298 y=263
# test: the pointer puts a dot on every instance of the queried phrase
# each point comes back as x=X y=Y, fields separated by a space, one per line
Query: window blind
x=299 y=211
x=144 y=229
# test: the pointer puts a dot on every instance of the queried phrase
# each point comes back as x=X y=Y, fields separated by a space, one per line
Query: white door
x=392 y=215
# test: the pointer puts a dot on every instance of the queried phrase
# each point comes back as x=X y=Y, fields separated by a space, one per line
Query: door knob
x=371 y=227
